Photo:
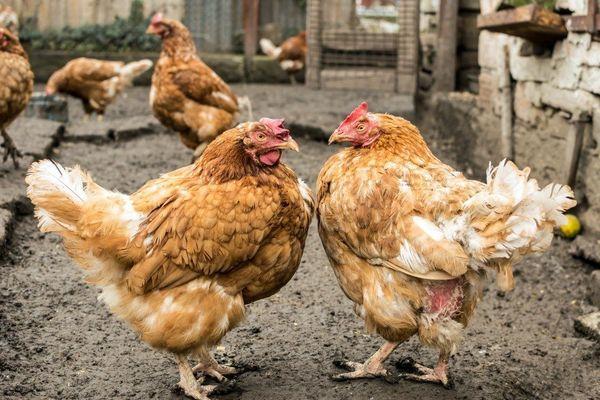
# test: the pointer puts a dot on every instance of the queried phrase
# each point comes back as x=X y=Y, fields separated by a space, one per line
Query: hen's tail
x=134 y=69
x=513 y=217
x=58 y=195
x=269 y=48
x=96 y=224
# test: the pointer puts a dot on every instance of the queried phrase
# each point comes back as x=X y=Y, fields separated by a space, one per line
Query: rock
x=589 y=325
x=35 y=137
x=586 y=247
x=114 y=129
x=594 y=287
x=590 y=80
x=6 y=221
x=573 y=101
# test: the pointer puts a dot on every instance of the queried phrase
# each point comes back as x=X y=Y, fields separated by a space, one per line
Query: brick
x=590 y=80
x=490 y=48
x=573 y=101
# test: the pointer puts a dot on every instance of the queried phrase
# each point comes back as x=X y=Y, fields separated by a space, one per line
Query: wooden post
x=250 y=17
x=506 y=121
x=573 y=147
x=445 y=60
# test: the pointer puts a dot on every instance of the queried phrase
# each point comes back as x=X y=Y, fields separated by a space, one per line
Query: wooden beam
x=506 y=119
x=585 y=23
x=445 y=60
x=532 y=22
x=250 y=17
x=573 y=151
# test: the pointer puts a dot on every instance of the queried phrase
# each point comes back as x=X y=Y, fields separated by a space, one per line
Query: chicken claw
x=420 y=373
x=215 y=370
x=10 y=149
x=372 y=368
x=188 y=383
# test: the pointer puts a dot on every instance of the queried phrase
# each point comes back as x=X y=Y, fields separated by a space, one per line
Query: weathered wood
x=585 y=23
x=506 y=121
x=313 y=30
x=445 y=61
x=573 y=150
x=250 y=18
x=531 y=22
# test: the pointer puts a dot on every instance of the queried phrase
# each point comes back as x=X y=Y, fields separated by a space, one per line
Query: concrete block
x=573 y=101
x=589 y=325
x=590 y=80
x=490 y=48
x=594 y=287
x=528 y=68
x=488 y=90
x=527 y=102
x=566 y=74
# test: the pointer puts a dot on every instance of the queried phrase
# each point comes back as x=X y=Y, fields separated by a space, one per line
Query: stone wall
x=467 y=68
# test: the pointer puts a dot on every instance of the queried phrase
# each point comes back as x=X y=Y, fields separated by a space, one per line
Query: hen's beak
x=152 y=30
x=337 y=137
x=289 y=144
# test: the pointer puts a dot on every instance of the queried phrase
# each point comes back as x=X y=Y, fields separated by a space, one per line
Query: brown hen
x=16 y=88
x=179 y=258
x=186 y=95
x=97 y=83
x=291 y=55
x=410 y=239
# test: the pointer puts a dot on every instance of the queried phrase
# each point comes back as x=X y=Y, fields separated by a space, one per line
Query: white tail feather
x=269 y=48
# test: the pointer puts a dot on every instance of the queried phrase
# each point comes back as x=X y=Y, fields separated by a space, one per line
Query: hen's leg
x=188 y=382
x=439 y=374
x=10 y=149
x=209 y=366
x=372 y=368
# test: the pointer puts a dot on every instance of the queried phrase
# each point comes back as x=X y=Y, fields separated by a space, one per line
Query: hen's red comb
x=357 y=113
x=276 y=125
x=156 y=19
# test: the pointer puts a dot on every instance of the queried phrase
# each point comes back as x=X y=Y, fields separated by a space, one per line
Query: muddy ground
x=58 y=342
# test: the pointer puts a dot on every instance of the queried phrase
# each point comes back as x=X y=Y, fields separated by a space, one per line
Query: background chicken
x=97 y=83
x=9 y=19
x=410 y=239
x=179 y=258
x=186 y=95
x=291 y=55
x=16 y=87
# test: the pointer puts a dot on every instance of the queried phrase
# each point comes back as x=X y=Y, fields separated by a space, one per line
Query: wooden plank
x=445 y=61
x=580 y=23
x=531 y=22
x=506 y=118
x=250 y=17
x=313 y=31
x=573 y=151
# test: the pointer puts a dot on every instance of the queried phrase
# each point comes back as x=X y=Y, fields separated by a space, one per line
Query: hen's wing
x=388 y=216
x=202 y=231
x=201 y=84
x=87 y=69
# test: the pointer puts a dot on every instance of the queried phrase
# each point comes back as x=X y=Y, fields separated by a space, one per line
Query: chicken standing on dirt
x=410 y=239
x=291 y=55
x=186 y=95
x=179 y=258
x=16 y=88
x=97 y=83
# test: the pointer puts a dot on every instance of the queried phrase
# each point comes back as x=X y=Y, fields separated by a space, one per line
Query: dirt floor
x=57 y=341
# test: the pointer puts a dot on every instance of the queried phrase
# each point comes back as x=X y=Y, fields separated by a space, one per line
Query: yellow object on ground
x=572 y=227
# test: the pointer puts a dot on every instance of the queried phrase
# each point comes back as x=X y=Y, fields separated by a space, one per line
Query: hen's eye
x=261 y=136
x=361 y=127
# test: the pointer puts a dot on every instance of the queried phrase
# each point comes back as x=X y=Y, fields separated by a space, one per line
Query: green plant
x=549 y=4
x=121 y=36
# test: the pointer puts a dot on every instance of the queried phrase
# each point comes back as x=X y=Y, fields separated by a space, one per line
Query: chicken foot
x=372 y=368
x=10 y=149
x=438 y=374
x=188 y=383
x=209 y=366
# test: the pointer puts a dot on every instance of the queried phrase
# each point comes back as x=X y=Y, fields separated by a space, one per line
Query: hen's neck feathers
x=179 y=43
x=17 y=50
x=402 y=138
x=225 y=160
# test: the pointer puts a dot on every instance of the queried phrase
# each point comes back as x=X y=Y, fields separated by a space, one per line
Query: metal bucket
x=52 y=107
